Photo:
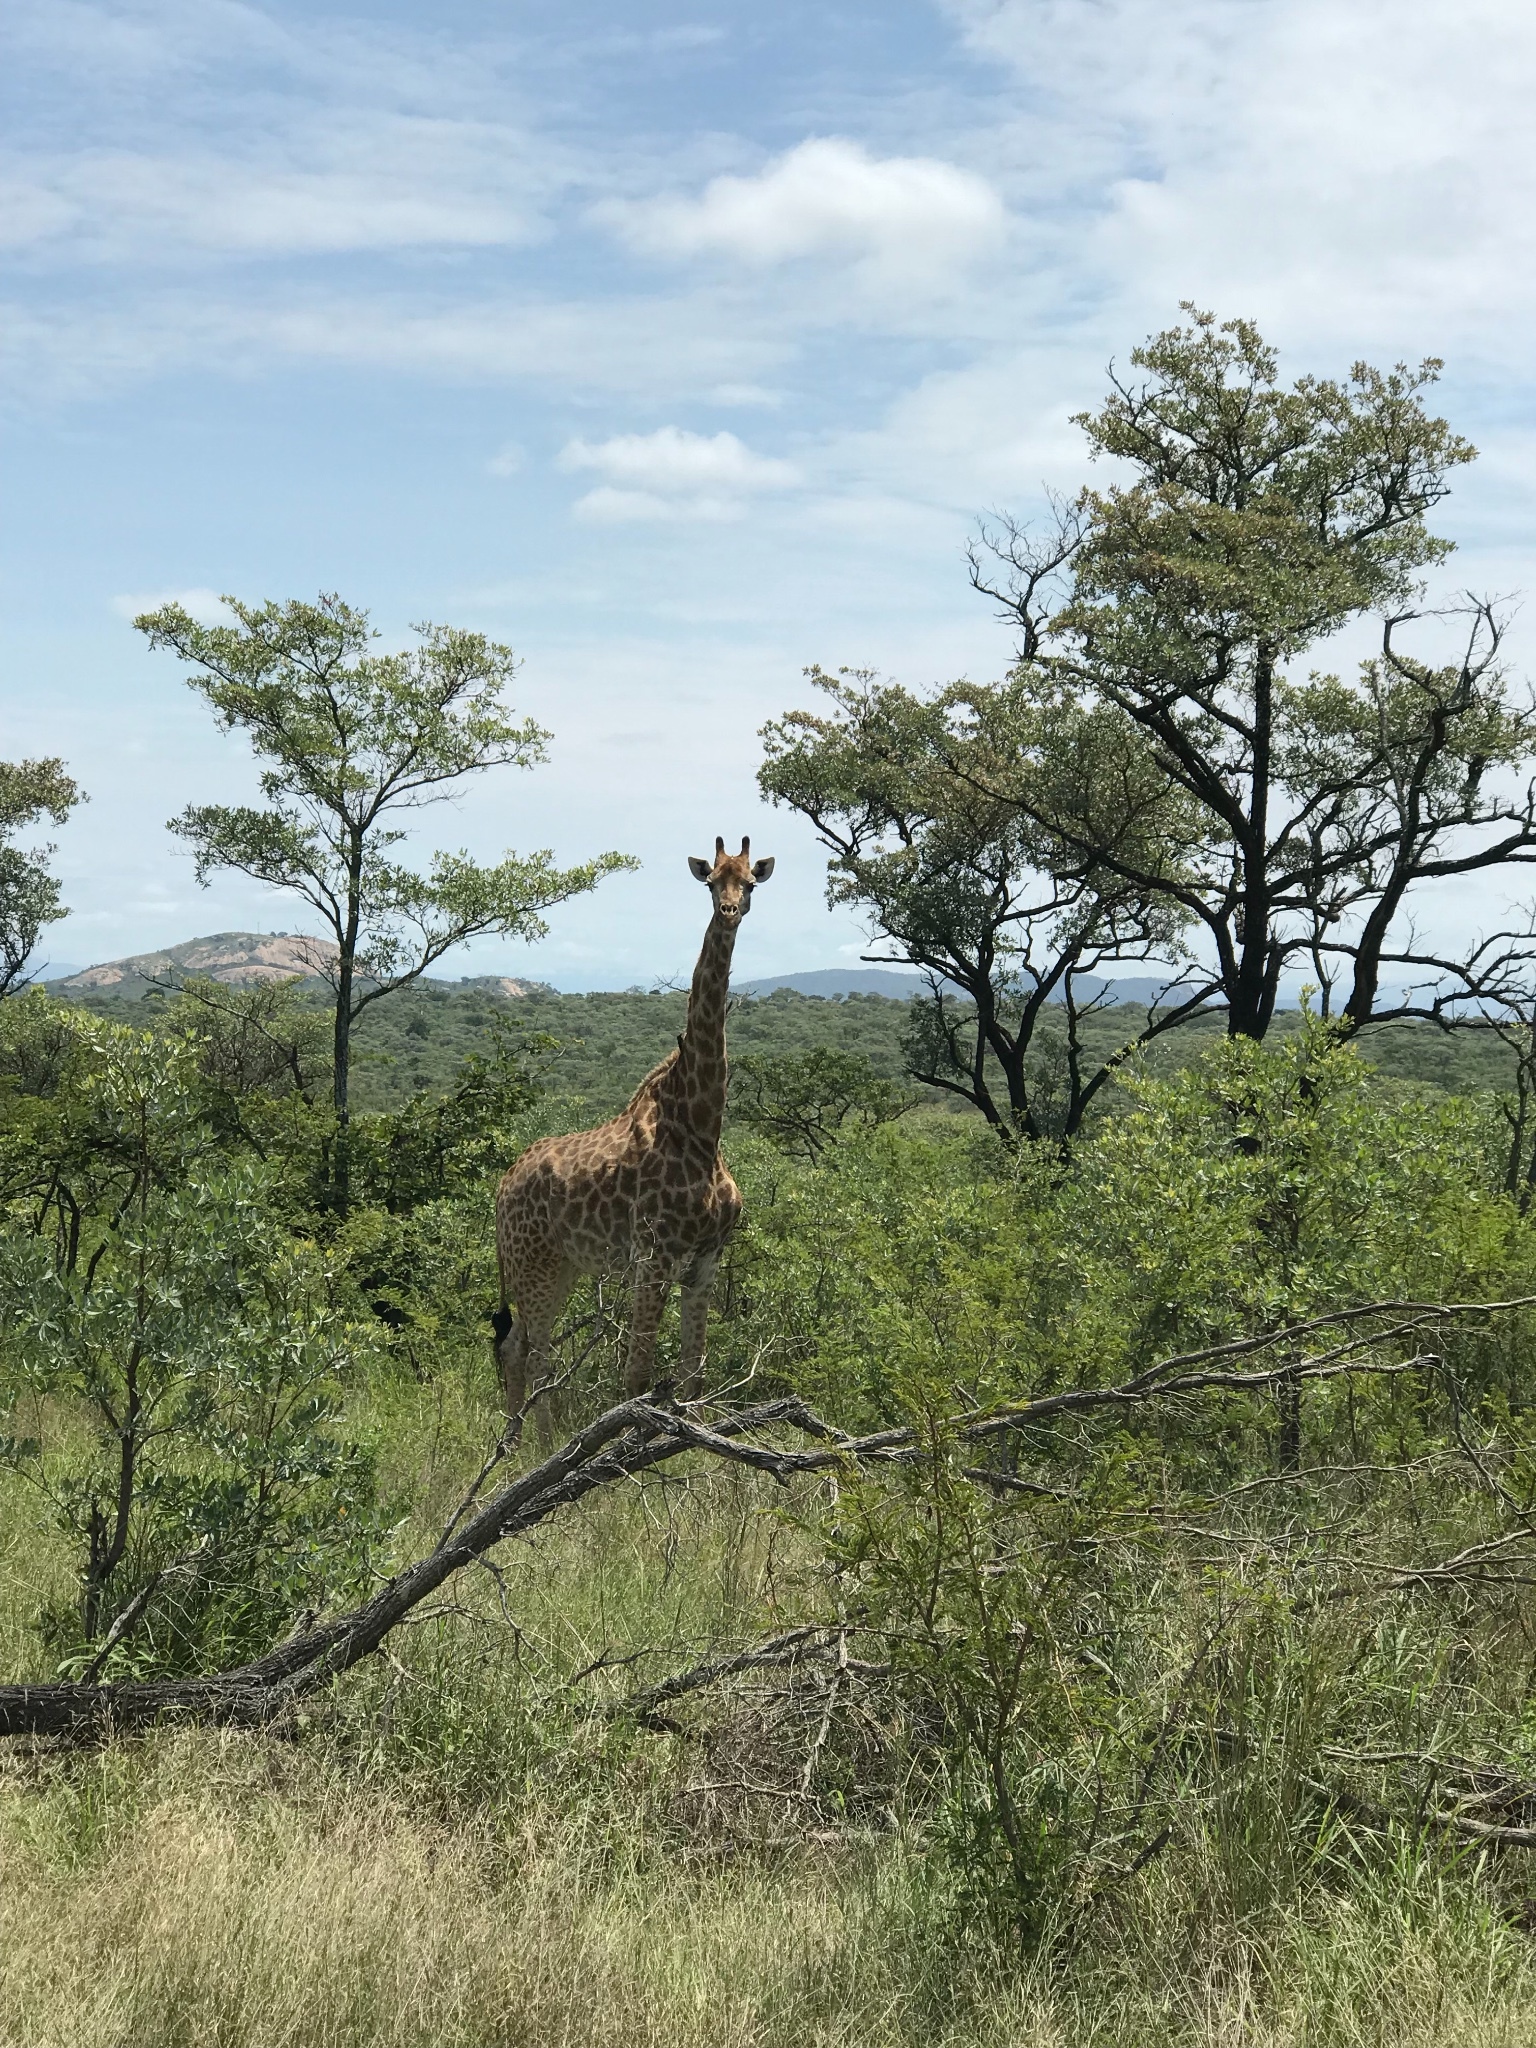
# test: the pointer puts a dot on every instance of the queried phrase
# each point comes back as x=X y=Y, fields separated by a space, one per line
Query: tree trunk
x=1288 y=1442
x=341 y=1175
x=1373 y=936
x=1251 y=1002
x=107 y=1551
x=341 y=1040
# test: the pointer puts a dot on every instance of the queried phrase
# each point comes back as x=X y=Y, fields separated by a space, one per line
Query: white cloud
x=1357 y=173
x=672 y=459
x=660 y=347
x=380 y=183
x=175 y=128
x=744 y=395
x=901 y=219
x=673 y=474
x=29 y=213
x=607 y=506
x=508 y=459
x=206 y=606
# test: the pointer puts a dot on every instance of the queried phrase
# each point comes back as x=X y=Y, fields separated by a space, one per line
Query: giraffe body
x=646 y=1191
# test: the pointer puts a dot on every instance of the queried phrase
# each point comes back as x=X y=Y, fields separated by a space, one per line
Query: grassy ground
x=206 y=1891
x=462 y=1849
x=466 y=1846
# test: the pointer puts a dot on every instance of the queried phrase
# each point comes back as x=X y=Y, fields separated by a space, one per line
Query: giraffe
x=647 y=1190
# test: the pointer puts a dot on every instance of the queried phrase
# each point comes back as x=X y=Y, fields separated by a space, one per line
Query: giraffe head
x=731 y=878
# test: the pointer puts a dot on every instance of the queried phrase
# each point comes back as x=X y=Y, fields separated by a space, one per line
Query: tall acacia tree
x=29 y=895
x=1013 y=929
x=1254 y=521
x=353 y=740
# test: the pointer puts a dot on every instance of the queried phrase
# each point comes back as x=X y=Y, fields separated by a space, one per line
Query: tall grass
x=462 y=1849
x=230 y=1893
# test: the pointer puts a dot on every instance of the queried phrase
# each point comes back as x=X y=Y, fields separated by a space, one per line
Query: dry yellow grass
x=223 y=1892
x=277 y=1926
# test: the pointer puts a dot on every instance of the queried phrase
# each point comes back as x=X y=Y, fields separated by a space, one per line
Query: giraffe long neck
x=701 y=1070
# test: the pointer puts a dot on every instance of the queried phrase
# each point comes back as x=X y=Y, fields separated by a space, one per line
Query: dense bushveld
x=1159 y=1673
x=595 y=1046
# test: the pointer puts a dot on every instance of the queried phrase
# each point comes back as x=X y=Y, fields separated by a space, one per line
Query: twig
x=829 y=1708
x=608 y=1662
x=780 y=1649
x=745 y=1785
x=1237 y=1347
x=1494 y=1833
x=509 y=1440
x=130 y=1614
x=120 y=1627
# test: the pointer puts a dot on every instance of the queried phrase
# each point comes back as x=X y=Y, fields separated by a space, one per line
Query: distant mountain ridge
x=239 y=959
x=901 y=986
x=839 y=981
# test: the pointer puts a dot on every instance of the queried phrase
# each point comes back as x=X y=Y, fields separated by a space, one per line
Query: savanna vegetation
x=1095 y=1601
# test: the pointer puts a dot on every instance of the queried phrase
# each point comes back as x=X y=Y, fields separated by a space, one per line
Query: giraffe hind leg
x=540 y=1294
x=511 y=1350
x=698 y=1285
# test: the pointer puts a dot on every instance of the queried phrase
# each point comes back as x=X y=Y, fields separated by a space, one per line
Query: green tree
x=802 y=1100
x=1255 y=520
x=1013 y=927
x=152 y=1286
x=450 y=1145
x=267 y=1040
x=70 y=1151
x=355 y=739
x=29 y=895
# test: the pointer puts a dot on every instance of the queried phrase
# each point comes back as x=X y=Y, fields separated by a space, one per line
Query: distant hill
x=244 y=958
x=240 y=959
x=901 y=985
x=1141 y=988
x=494 y=985
x=839 y=981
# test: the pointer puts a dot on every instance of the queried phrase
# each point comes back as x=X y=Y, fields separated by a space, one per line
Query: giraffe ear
x=763 y=869
x=701 y=868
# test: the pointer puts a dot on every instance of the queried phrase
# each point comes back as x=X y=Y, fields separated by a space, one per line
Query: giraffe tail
x=511 y=1355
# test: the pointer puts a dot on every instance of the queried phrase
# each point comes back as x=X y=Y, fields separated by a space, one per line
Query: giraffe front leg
x=698 y=1285
x=650 y=1298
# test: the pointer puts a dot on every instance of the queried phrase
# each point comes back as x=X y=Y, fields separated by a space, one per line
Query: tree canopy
x=29 y=895
x=1012 y=925
x=1252 y=521
x=353 y=739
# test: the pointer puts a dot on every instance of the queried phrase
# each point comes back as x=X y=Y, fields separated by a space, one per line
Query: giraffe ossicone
x=647 y=1191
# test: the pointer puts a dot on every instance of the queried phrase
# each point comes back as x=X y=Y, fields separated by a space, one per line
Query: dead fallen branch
x=635 y=1437
x=1454 y=1821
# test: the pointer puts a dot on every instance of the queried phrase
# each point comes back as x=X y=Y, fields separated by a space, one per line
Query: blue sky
x=678 y=346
